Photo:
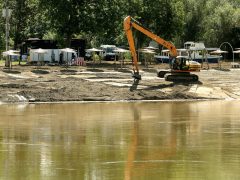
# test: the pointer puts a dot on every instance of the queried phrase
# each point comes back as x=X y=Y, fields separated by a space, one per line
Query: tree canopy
x=101 y=21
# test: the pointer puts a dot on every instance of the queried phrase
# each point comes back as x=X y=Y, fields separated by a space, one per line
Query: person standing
x=61 y=58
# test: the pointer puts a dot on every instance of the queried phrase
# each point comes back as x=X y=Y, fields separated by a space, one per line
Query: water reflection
x=158 y=140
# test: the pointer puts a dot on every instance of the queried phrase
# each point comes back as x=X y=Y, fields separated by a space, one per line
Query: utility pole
x=7 y=14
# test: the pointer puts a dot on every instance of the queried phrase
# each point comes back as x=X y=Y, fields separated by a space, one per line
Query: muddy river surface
x=108 y=141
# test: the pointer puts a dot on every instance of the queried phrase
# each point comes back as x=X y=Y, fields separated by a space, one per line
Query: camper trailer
x=50 y=56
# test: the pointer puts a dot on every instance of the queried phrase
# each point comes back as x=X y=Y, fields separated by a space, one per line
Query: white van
x=108 y=53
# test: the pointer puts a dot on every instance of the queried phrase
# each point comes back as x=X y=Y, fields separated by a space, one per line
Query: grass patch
x=2 y=63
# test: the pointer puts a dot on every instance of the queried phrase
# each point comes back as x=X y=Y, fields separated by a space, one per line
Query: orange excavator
x=180 y=67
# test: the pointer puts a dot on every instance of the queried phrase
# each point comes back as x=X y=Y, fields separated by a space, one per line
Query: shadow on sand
x=10 y=71
x=221 y=69
x=94 y=70
x=134 y=84
x=69 y=71
x=161 y=86
x=40 y=71
x=124 y=70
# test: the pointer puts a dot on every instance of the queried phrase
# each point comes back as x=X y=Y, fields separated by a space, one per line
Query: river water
x=147 y=140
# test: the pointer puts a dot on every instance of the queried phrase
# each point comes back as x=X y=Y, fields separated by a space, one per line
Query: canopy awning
x=219 y=51
x=94 y=50
x=120 y=50
x=40 y=51
x=11 y=53
x=68 y=50
x=236 y=52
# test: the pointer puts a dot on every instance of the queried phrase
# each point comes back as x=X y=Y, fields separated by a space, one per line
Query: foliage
x=101 y=21
x=221 y=23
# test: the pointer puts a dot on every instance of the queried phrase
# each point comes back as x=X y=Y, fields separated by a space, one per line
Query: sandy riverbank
x=107 y=82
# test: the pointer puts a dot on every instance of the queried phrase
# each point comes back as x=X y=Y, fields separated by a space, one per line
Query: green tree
x=69 y=18
x=27 y=21
x=194 y=15
x=222 y=23
x=101 y=21
x=2 y=30
x=164 y=18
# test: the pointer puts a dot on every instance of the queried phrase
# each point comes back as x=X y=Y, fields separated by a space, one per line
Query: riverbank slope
x=109 y=82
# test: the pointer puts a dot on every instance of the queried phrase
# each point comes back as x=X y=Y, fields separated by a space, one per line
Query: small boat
x=198 y=52
x=164 y=57
x=195 y=51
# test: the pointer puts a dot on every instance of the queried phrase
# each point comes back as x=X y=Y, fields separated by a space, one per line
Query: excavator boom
x=130 y=23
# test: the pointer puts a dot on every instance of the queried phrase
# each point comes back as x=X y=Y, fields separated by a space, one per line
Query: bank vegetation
x=101 y=21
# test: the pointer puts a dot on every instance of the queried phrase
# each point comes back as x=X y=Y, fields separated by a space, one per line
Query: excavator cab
x=181 y=67
x=180 y=63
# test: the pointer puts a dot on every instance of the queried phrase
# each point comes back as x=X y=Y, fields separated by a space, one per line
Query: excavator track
x=181 y=77
x=162 y=73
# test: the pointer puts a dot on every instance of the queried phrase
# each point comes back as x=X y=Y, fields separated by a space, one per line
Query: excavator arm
x=130 y=23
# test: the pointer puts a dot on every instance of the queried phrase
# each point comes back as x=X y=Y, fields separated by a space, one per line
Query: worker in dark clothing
x=61 y=58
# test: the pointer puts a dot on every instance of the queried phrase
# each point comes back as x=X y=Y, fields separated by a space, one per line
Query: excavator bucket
x=136 y=75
